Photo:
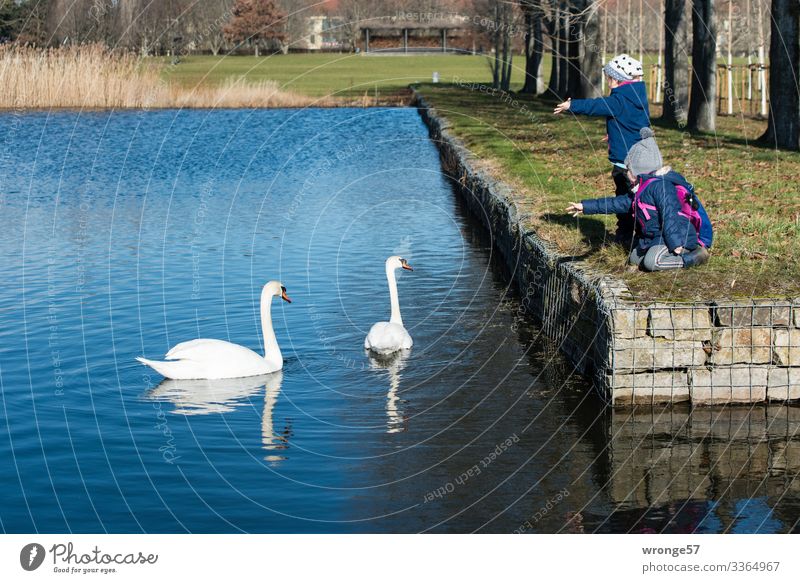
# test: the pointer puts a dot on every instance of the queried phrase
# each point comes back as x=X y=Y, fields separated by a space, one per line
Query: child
x=672 y=227
x=626 y=113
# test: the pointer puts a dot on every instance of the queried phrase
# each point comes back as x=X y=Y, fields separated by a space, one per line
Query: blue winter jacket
x=626 y=113
x=664 y=225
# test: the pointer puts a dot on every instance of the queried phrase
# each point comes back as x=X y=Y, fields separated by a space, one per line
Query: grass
x=339 y=75
x=751 y=192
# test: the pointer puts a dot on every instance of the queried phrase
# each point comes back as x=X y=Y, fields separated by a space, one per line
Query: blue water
x=125 y=233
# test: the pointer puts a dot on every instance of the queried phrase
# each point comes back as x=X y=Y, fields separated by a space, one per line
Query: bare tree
x=206 y=23
x=297 y=13
x=676 y=62
x=533 y=13
x=703 y=97
x=586 y=24
x=783 y=129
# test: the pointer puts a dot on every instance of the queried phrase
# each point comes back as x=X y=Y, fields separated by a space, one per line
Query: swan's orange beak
x=405 y=265
x=284 y=297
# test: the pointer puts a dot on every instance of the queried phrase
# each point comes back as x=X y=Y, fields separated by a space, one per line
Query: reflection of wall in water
x=666 y=455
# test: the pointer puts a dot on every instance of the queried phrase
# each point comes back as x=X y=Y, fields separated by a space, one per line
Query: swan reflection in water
x=392 y=364
x=206 y=397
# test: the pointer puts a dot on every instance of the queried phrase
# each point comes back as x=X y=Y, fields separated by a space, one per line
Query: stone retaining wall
x=706 y=353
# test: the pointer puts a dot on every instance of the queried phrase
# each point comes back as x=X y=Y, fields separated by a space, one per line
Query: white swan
x=391 y=336
x=216 y=359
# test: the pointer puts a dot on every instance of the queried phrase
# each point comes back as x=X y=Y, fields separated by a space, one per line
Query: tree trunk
x=590 y=77
x=574 y=85
x=554 y=30
x=505 y=77
x=535 y=68
x=533 y=52
x=783 y=129
x=676 y=62
x=703 y=98
x=496 y=68
x=563 y=54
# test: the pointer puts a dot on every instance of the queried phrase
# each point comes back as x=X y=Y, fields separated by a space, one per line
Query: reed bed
x=92 y=76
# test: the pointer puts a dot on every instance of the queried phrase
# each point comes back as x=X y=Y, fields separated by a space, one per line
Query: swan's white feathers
x=387 y=337
x=206 y=358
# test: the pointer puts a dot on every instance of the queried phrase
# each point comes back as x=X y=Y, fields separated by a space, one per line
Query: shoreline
x=634 y=352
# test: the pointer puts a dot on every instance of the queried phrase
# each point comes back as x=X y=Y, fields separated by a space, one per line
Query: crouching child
x=672 y=229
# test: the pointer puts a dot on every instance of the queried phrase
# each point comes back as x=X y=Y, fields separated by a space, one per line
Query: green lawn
x=751 y=193
x=344 y=75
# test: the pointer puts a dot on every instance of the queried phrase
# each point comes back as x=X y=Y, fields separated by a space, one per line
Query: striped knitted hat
x=623 y=68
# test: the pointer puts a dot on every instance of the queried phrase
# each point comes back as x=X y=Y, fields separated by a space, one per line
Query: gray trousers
x=657 y=258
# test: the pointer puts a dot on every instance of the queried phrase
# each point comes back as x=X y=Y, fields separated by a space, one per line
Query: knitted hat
x=644 y=157
x=623 y=68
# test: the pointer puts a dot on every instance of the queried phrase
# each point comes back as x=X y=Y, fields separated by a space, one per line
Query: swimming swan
x=391 y=336
x=217 y=359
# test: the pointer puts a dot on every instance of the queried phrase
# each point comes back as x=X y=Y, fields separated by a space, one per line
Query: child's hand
x=562 y=107
x=678 y=250
x=575 y=208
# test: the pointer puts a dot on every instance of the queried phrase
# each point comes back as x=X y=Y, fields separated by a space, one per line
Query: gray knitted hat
x=644 y=157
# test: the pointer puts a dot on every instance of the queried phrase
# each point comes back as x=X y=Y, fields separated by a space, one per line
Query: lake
x=124 y=233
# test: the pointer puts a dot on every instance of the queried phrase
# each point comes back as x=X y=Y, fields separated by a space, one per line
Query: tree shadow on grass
x=721 y=138
x=594 y=233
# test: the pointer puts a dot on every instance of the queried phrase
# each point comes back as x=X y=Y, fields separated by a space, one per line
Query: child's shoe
x=696 y=257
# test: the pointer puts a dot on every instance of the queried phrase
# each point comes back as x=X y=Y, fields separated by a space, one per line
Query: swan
x=217 y=359
x=387 y=337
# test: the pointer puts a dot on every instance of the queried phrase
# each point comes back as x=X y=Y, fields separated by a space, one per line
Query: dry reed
x=92 y=76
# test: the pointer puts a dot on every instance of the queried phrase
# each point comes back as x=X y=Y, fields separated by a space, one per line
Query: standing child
x=626 y=112
x=672 y=227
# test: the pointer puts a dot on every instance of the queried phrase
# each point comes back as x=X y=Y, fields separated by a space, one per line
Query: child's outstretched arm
x=610 y=205
x=600 y=106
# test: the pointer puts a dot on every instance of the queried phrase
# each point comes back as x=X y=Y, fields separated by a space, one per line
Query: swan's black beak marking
x=405 y=265
x=284 y=297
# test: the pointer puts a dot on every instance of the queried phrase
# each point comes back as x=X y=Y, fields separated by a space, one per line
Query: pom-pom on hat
x=623 y=68
x=644 y=156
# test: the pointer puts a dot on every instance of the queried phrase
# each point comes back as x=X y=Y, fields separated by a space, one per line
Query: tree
x=587 y=81
x=205 y=26
x=534 y=45
x=676 y=62
x=257 y=22
x=501 y=36
x=703 y=97
x=783 y=128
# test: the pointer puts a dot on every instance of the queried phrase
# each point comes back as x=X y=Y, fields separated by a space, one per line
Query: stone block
x=757 y=313
x=787 y=346
x=679 y=323
x=629 y=322
x=728 y=384
x=742 y=345
x=648 y=387
x=642 y=354
x=783 y=384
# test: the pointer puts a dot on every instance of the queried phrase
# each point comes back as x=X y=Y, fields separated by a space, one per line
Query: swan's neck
x=271 y=348
x=395 y=318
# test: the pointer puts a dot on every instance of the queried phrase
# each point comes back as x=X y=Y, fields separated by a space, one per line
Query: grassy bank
x=750 y=192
